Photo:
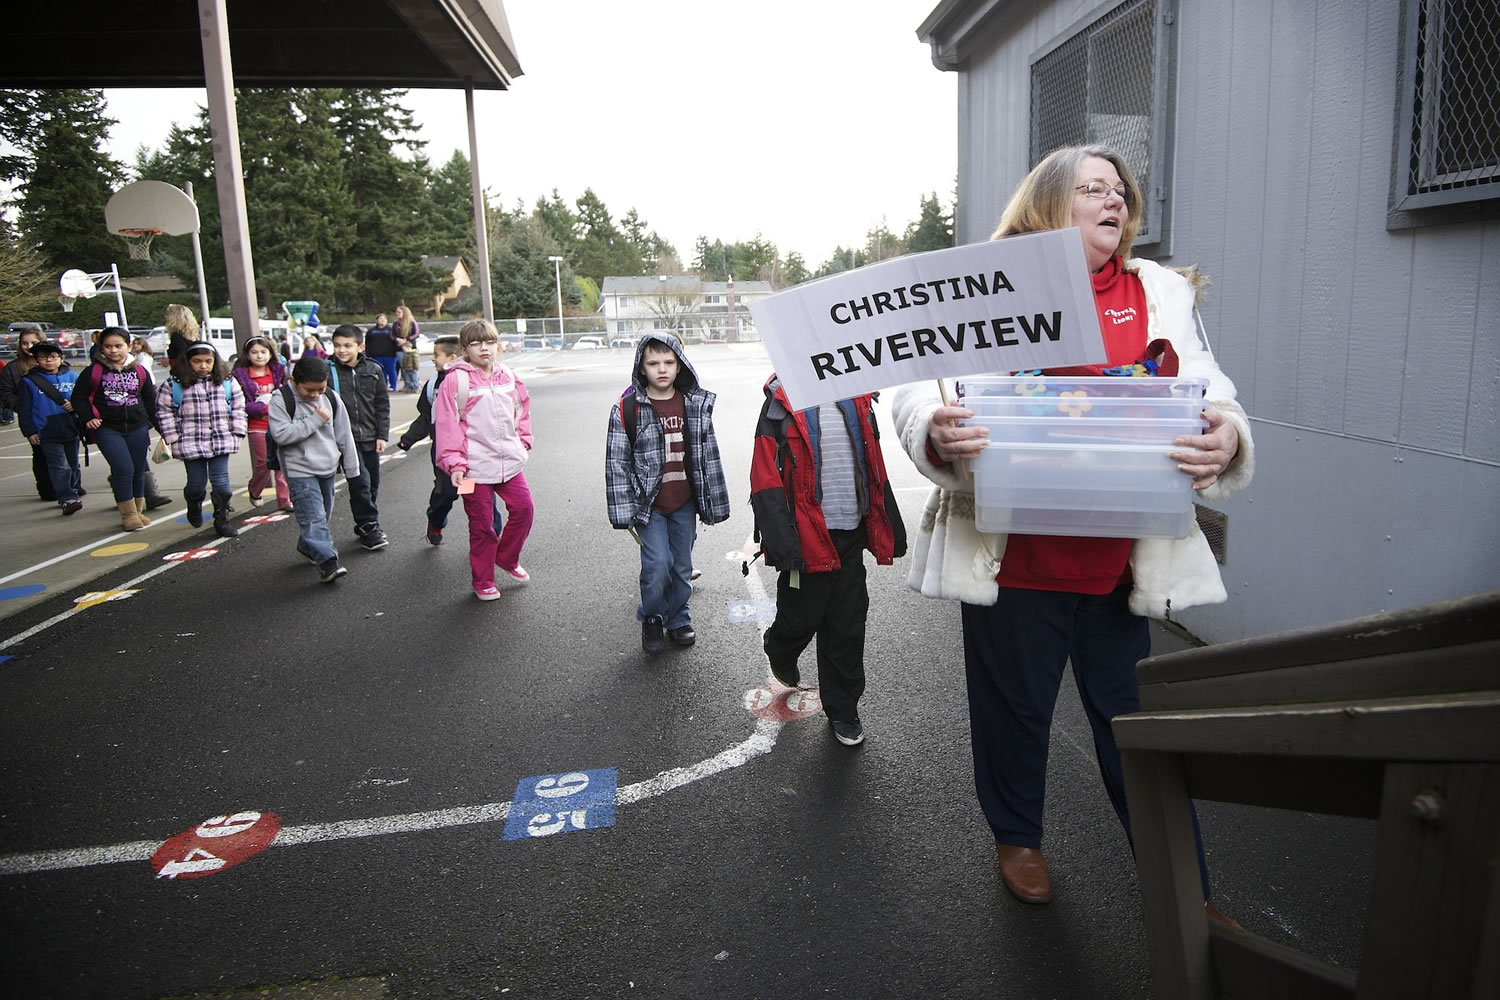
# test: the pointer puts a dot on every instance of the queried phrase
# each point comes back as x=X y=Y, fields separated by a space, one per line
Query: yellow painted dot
x=123 y=549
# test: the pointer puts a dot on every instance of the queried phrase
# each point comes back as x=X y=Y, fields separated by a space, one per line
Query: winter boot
x=194 y=509
x=222 y=527
x=129 y=519
x=140 y=511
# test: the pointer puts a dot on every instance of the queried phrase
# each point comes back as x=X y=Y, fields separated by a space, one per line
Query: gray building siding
x=1368 y=358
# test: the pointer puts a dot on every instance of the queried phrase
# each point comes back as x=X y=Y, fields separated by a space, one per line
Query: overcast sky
x=807 y=121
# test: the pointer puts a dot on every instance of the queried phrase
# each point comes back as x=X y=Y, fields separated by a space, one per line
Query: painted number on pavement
x=187 y=554
x=550 y=804
x=216 y=844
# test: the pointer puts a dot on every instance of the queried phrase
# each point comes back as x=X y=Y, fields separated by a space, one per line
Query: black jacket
x=423 y=426
x=362 y=390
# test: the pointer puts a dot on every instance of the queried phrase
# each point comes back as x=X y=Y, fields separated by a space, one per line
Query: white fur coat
x=953 y=559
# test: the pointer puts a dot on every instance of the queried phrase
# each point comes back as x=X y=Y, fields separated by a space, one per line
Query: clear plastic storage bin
x=1083 y=456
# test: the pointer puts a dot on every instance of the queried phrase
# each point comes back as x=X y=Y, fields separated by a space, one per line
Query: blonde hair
x=1044 y=199
x=404 y=321
x=181 y=321
x=475 y=331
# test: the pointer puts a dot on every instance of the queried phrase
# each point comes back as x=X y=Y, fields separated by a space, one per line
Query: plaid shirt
x=207 y=424
x=632 y=470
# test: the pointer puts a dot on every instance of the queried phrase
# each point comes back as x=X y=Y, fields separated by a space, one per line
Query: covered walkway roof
x=423 y=44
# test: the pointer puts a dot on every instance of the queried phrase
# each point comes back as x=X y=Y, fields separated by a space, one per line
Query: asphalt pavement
x=222 y=779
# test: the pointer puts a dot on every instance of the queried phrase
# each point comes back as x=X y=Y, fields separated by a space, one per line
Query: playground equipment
x=300 y=313
x=141 y=211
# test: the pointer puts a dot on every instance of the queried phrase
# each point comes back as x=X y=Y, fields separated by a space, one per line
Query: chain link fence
x=1099 y=86
x=1455 y=95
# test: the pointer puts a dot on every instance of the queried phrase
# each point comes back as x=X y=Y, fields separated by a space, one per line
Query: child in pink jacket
x=483 y=418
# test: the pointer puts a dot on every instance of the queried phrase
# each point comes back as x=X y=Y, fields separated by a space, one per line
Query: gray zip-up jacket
x=308 y=445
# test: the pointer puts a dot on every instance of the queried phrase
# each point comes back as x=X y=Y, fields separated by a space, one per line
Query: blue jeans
x=201 y=471
x=312 y=506
x=388 y=365
x=667 y=565
x=126 y=455
x=62 y=469
x=364 y=490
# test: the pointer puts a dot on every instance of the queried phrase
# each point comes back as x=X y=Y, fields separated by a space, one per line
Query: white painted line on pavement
x=758 y=743
x=164 y=519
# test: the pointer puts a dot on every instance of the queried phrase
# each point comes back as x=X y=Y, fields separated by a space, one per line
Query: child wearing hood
x=483 y=418
x=662 y=473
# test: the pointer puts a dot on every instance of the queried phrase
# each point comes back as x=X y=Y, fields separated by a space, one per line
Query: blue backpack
x=177 y=396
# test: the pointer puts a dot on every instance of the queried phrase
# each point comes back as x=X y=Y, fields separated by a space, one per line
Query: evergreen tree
x=450 y=209
x=521 y=276
x=560 y=221
x=933 y=229
x=794 y=269
x=601 y=250
x=68 y=180
x=380 y=267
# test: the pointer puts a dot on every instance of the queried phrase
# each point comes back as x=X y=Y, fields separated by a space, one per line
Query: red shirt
x=265 y=387
x=675 y=488
x=1081 y=565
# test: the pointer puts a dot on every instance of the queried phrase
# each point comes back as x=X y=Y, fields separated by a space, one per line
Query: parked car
x=534 y=344
x=623 y=342
x=588 y=344
x=74 y=343
x=510 y=342
x=13 y=333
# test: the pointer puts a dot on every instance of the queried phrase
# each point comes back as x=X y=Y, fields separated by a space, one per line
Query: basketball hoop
x=67 y=302
x=139 y=242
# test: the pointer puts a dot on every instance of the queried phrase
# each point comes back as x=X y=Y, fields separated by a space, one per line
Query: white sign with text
x=1000 y=306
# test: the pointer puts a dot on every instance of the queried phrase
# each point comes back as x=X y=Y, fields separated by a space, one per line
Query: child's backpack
x=177 y=396
x=273 y=457
x=630 y=413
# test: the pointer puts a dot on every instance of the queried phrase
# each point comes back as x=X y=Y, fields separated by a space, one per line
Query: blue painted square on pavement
x=742 y=610
x=548 y=804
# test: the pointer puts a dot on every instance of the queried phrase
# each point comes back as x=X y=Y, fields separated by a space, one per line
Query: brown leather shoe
x=1024 y=871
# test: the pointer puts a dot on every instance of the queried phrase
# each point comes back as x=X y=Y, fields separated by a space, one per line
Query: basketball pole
x=114 y=273
x=198 y=263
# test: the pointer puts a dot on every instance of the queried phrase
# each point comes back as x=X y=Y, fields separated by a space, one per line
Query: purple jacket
x=253 y=406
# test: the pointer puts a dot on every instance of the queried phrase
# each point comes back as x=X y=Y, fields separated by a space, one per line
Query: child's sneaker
x=72 y=507
x=519 y=573
x=848 y=733
x=682 y=635
x=653 y=634
x=487 y=594
x=372 y=538
x=330 y=571
x=434 y=536
x=254 y=499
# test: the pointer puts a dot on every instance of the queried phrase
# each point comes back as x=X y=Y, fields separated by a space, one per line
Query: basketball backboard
x=151 y=205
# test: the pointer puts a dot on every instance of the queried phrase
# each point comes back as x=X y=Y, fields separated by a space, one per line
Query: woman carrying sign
x=1032 y=603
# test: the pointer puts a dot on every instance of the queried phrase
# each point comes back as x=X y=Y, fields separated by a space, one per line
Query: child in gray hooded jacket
x=313 y=439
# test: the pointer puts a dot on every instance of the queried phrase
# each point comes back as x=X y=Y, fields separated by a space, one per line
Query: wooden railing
x=1394 y=717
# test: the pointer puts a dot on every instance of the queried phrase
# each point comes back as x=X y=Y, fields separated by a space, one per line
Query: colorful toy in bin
x=1077 y=409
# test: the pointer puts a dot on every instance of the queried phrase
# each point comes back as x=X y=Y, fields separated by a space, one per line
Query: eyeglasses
x=1099 y=189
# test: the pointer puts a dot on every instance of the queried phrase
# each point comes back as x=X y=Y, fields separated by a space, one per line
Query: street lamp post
x=557 y=279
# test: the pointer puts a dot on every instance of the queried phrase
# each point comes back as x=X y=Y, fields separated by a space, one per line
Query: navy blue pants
x=1014 y=654
x=126 y=455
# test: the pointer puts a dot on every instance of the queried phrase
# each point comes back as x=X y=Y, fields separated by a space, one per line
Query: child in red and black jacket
x=820 y=495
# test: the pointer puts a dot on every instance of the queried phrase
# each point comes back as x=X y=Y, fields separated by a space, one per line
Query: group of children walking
x=819 y=491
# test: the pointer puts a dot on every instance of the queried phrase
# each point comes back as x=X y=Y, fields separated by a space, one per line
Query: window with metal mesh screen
x=1449 y=149
x=1103 y=82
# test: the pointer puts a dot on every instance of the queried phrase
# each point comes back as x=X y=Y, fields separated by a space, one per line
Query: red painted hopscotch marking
x=266 y=518
x=782 y=704
x=189 y=554
x=216 y=844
